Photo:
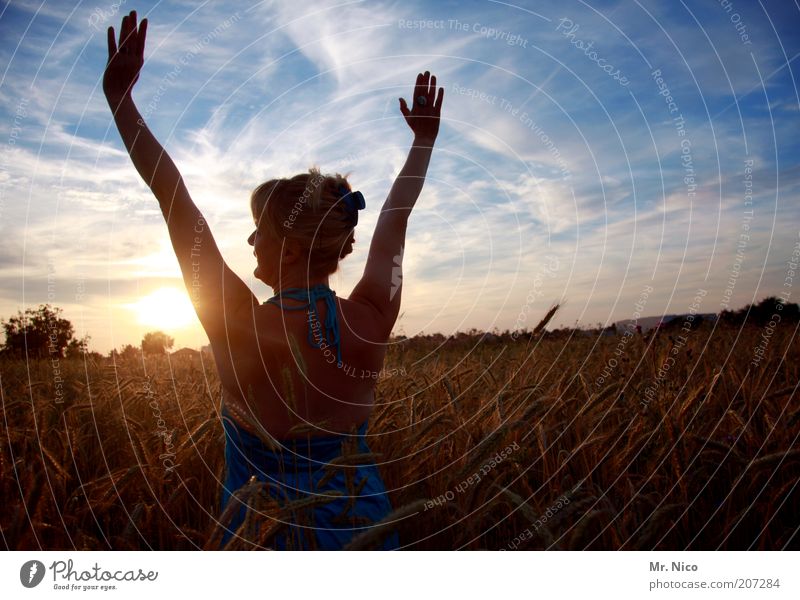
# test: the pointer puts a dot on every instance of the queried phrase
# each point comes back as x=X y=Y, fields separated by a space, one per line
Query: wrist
x=116 y=99
x=424 y=141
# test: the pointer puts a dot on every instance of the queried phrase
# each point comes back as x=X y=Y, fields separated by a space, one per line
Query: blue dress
x=294 y=473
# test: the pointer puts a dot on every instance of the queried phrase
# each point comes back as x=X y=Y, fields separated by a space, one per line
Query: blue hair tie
x=353 y=202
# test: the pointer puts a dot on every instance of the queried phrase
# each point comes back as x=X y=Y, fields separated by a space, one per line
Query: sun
x=165 y=308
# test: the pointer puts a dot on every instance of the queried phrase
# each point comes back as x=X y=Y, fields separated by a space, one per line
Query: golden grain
x=441 y=423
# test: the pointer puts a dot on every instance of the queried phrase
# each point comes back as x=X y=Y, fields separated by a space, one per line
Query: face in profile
x=270 y=252
x=267 y=254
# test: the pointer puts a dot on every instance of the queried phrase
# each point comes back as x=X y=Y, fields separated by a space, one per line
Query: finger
x=425 y=79
x=123 y=35
x=123 y=32
x=130 y=31
x=134 y=31
x=112 y=43
x=133 y=42
x=417 y=88
x=432 y=90
x=438 y=104
x=141 y=37
x=404 y=108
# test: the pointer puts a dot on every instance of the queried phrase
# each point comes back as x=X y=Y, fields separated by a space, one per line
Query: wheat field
x=544 y=442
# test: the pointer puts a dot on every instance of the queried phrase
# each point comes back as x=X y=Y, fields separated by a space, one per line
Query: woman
x=305 y=359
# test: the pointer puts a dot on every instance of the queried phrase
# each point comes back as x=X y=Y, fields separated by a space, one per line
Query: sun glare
x=165 y=308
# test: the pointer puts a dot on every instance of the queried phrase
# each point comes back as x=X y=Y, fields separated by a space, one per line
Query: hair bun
x=309 y=208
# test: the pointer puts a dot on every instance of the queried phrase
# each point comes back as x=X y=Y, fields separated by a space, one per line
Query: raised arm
x=216 y=292
x=380 y=285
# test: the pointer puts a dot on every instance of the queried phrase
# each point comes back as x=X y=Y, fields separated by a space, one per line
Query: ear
x=292 y=252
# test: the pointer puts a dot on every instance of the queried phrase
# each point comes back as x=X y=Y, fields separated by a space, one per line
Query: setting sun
x=165 y=308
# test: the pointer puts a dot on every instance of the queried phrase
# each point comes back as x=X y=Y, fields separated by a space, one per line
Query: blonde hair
x=307 y=208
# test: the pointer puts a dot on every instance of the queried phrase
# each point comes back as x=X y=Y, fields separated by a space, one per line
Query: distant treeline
x=43 y=332
x=762 y=314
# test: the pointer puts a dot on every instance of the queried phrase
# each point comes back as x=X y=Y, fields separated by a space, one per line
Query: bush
x=39 y=332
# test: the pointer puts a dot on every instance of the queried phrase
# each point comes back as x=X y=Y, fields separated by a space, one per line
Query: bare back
x=293 y=384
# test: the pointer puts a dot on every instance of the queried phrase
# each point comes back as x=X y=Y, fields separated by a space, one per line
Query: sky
x=617 y=157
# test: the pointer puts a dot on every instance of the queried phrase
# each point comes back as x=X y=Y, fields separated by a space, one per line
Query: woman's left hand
x=124 y=61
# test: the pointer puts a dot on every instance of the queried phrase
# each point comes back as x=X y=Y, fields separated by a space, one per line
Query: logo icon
x=31 y=573
x=397 y=273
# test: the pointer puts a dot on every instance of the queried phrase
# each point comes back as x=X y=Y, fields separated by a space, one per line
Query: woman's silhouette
x=306 y=358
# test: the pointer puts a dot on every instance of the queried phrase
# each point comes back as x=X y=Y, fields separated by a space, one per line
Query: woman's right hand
x=124 y=61
x=423 y=119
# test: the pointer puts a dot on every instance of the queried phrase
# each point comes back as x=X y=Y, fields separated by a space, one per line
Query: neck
x=299 y=282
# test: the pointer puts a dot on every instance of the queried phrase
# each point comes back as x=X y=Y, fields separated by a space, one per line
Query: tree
x=40 y=332
x=156 y=342
x=78 y=347
x=762 y=313
x=126 y=352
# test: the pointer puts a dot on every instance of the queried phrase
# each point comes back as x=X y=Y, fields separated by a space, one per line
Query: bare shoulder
x=363 y=319
x=236 y=346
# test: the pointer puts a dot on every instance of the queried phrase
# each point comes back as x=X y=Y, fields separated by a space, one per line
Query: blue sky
x=560 y=171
